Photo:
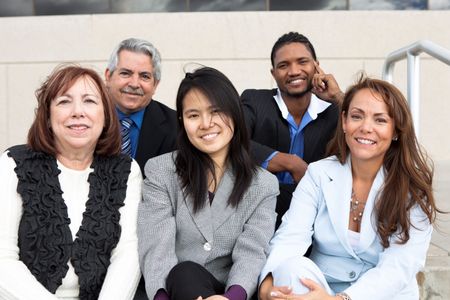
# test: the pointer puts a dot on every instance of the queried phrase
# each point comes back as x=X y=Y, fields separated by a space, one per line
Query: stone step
x=434 y=279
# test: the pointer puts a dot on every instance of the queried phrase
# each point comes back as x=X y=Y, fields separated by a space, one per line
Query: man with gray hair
x=132 y=76
x=148 y=126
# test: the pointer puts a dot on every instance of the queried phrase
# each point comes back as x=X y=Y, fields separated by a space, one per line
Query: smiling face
x=77 y=117
x=368 y=127
x=132 y=84
x=208 y=130
x=293 y=69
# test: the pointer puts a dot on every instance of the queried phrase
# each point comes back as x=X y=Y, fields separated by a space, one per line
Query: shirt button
x=352 y=274
x=207 y=246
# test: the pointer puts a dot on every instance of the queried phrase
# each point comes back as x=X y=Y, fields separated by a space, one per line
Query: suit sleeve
x=16 y=280
x=250 y=251
x=294 y=236
x=123 y=273
x=156 y=228
x=398 y=265
x=259 y=151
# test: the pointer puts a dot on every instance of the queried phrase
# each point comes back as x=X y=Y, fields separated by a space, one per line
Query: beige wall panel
x=4 y=129
x=48 y=39
x=172 y=73
x=252 y=34
x=23 y=80
x=370 y=34
x=435 y=108
x=243 y=73
x=218 y=34
x=238 y=43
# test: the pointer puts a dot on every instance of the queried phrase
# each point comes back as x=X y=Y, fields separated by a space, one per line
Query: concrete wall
x=237 y=43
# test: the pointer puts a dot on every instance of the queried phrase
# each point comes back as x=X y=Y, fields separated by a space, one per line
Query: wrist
x=343 y=296
x=338 y=98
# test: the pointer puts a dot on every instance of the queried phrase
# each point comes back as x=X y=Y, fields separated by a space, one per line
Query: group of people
x=112 y=185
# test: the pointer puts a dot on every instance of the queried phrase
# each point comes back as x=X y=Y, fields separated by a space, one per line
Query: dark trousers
x=188 y=280
x=283 y=201
x=140 y=292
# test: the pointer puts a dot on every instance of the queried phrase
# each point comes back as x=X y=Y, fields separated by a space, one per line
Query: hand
x=278 y=292
x=316 y=292
x=213 y=297
x=297 y=167
x=326 y=87
x=285 y=162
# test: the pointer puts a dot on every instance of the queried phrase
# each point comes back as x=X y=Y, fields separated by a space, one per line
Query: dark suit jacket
x=269 y=131
x=158 y=133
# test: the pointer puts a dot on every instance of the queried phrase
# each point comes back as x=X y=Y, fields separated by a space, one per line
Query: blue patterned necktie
x=126 y=141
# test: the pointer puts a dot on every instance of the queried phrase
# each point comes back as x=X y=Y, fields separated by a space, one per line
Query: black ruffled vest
x=45 y=240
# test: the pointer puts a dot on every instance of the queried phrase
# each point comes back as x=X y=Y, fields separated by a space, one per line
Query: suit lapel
x=202 y=219
x=338 y=204
x=151 y=133
x=369 y=220
x=337 y=194
x=221 y=211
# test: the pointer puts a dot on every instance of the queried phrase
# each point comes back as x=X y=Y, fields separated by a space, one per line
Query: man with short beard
x=132 y=76
x=290 y=126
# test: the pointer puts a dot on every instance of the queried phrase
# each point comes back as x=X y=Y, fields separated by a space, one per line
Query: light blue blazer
x=319 y=214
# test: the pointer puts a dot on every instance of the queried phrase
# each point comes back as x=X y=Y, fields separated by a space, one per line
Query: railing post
x=411 y=53
x=413 y=69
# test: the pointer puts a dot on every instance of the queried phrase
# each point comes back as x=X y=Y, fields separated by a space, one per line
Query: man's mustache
x=134 y=91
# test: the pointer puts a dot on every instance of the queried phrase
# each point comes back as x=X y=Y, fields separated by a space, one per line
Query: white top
x=316 y=106
x=353 y=239
x=17 y=282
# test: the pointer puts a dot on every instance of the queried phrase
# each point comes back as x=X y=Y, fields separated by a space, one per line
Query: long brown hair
x=40 y=135
x=409 y=171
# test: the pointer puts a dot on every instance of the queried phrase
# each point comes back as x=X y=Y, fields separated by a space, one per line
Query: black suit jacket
x=158 y=132
x=269 y=131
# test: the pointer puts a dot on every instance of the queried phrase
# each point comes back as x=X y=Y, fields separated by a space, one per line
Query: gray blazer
x=231 y=243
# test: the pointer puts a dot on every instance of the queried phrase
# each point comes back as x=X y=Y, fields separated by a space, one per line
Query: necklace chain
x=356 y=208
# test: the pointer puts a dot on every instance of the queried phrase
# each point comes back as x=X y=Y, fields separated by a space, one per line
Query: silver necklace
x=356 y=208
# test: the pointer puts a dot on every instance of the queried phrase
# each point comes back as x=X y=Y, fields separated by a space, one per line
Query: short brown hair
x=40 y=135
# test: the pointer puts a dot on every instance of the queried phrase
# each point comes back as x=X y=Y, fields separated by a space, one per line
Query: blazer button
x=207 y=246
x=352 y=274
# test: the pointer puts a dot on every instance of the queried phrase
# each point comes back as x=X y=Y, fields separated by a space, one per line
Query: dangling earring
x=395 y=138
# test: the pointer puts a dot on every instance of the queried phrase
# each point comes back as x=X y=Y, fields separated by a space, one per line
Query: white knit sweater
x=17 y=282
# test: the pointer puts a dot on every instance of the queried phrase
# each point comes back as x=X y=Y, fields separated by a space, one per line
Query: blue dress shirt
x=135 y=128
x=297 y=145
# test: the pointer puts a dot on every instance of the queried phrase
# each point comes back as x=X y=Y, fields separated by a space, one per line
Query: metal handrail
x=411 y=53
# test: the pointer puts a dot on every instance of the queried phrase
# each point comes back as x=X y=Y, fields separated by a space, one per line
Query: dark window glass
x=16 y=8
x=125 y=6
x=60 y=7
x=308 y=4
x=439 y=4
x=388 y=4
x=226 y=5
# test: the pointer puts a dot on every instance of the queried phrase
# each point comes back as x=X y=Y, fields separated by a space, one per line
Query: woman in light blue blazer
x=367 y=210
x=208 y=212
